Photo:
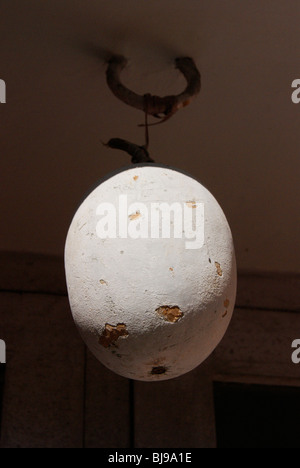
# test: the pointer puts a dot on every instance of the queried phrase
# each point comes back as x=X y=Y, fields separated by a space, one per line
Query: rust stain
x=171 y=269
x=135 y=178
x=156 y=362
x=102 y=281
x=158 y=370
x=225 y=313
x=219 y=269
x=191 y=204
x=170 y=314
x=134 y=216
x=111 y=333
x=226 y=303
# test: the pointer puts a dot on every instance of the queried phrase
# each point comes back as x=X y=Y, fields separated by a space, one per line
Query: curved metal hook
x=155 y=105
x=139 y=154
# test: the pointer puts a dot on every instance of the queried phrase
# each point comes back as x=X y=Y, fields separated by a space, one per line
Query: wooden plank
x=269 y=291
x=107 y=418
x=32 y=273
x=43 y=392
x=46 y=356
x=259 y=343
x=257 y=380
x=176 y=413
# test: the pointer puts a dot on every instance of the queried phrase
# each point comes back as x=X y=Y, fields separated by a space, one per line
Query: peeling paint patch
x=158 y=370
x=225 y=313
x=191 y=204
x=102 y=281
x=134 y=216
x=219 y=269
x=170 y=314
x=226 y=303
x=112 y=333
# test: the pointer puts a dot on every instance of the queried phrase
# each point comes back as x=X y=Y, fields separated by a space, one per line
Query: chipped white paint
x=150 y=309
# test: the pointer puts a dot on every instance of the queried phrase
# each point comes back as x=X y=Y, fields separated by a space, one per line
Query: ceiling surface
x=240 y=137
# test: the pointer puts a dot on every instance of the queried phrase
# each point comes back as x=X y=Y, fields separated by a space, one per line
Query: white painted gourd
x=151 y=294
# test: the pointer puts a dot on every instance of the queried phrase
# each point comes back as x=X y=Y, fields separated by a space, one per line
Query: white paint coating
x=125 y=281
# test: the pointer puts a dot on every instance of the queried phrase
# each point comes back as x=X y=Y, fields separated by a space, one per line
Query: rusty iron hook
x=155 y=105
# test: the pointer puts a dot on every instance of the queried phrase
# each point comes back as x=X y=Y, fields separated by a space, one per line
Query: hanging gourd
x=149 y=257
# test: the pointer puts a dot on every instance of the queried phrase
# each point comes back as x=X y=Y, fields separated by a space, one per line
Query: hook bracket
x=162 y=108
x=155 y=105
